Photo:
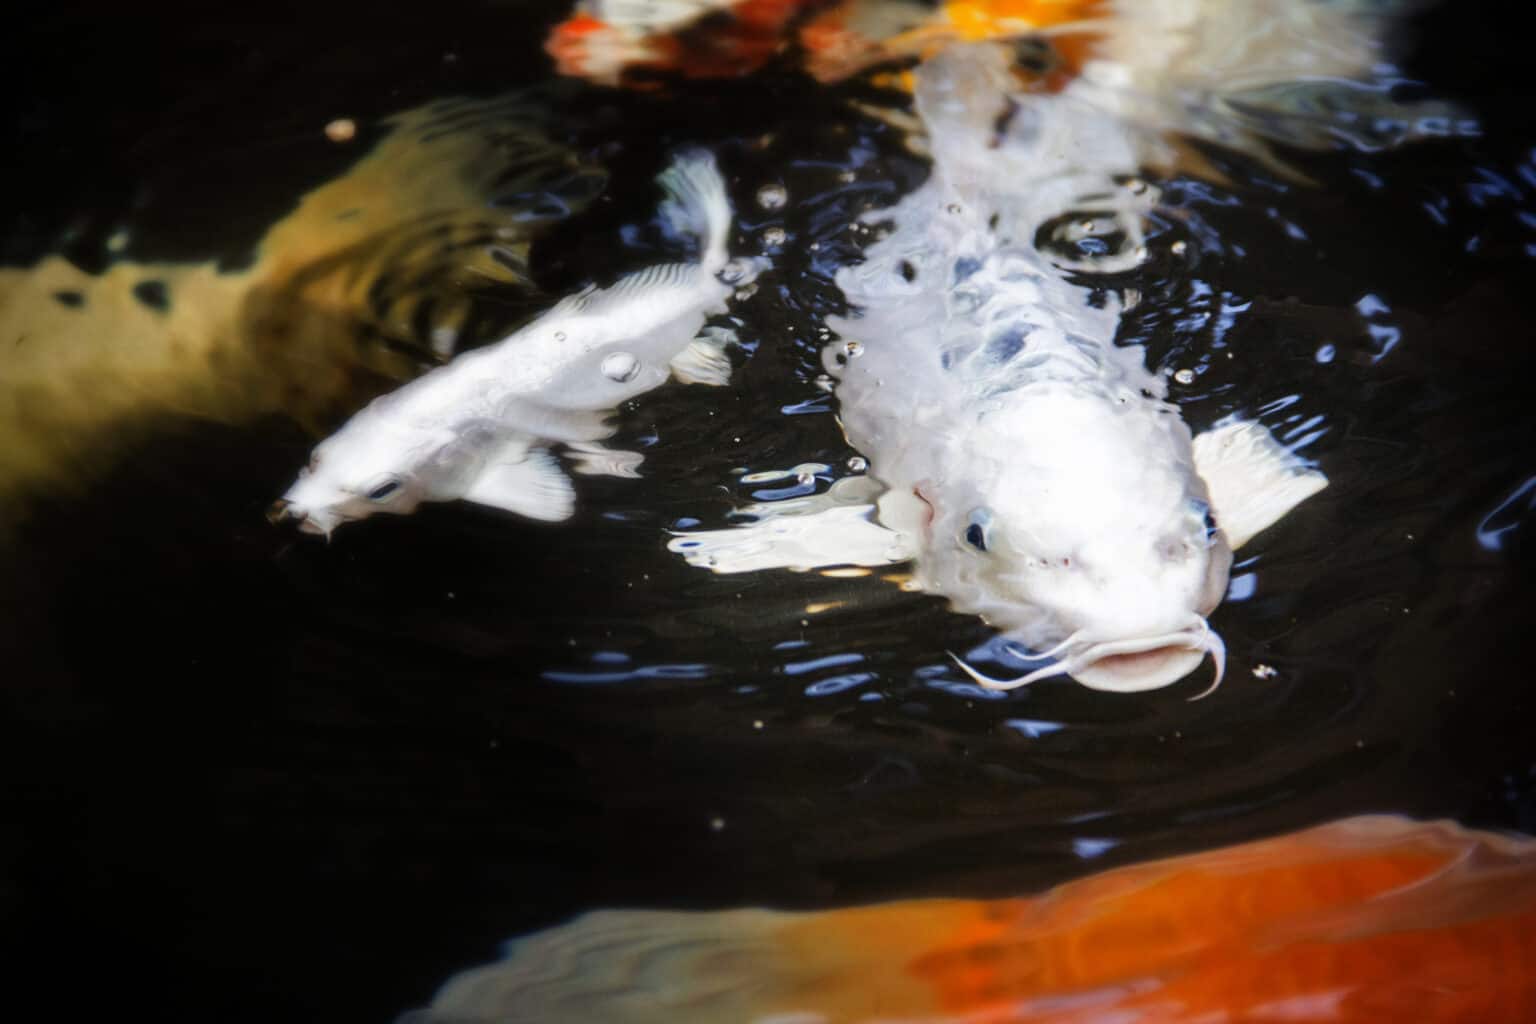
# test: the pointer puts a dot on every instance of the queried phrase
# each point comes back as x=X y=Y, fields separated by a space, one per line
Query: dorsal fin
x=595 y=302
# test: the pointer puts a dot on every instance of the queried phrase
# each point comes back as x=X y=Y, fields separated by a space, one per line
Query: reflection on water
x=372 y=276
x=1364 y=920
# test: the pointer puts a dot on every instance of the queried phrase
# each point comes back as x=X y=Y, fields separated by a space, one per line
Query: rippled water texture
x=259 y=777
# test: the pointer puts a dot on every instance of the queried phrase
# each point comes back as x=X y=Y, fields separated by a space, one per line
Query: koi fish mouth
x=316 y=523
x=1124 y=665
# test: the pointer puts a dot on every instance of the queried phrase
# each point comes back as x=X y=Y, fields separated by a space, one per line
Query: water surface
x=255 y=777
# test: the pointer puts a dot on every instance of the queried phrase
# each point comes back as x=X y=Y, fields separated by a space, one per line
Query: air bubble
x=1178 y=248
x=621 y=366
x=1185 y=376
x=853 y=348
x=559 y=335
x=858 y=463
x=1325 y=353
x=772 y=197
x=774 y=236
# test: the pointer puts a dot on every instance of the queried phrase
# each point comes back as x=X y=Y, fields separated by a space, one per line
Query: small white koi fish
x=481 y=428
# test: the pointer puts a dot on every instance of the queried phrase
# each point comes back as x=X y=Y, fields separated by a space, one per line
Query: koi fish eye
x=1202 y=511
x=976 y=530
x=384 y=489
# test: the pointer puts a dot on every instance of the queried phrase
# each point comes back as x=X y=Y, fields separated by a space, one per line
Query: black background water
x=248 y=777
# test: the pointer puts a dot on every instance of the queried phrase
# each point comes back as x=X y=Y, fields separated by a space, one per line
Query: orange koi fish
x=860 y=33
x=616 y=41
x=1371 y=919
x=609 y=41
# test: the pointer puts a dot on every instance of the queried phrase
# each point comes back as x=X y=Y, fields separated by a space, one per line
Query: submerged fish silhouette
x=373 y=274
x=1364 y=921
x=481 y=427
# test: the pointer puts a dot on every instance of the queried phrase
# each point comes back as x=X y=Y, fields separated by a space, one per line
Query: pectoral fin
x=704 y=360
x=833 y=528
x=1253 y=481
x=534 y=486
x=843 y=535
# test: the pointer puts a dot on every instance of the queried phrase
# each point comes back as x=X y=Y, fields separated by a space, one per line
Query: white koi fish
x=1028 y=467
x=481 y=427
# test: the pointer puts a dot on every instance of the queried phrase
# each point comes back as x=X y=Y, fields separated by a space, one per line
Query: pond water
x=254 y=776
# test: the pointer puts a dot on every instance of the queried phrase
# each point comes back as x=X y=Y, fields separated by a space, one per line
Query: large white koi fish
x=1029 y=468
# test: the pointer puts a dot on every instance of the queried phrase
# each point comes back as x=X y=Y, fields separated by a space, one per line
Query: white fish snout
x=284 y=511
x=1130 y=665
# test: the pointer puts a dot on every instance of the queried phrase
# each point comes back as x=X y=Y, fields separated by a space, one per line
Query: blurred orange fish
x=617 y=41
x=1372 y=919
x=860 y=33
x=606 y=41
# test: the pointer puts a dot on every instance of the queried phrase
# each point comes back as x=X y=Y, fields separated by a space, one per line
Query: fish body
x=1359 y=921
x=606 y=40
x=481 y=427
x=1031 y=469
x=1050 y=487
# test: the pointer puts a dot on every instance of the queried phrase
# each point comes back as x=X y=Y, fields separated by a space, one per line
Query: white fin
x=836 y=536
x=616 y=300
x=592 y=459
x=834 y=528
x=1253 y=481
x=703 y=361
x=697 y=204
x=535 y=487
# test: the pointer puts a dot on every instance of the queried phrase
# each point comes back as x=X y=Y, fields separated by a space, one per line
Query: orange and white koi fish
x=1363 y=921
x=606 y=40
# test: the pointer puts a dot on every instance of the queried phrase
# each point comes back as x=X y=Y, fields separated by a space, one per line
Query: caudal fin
x=697 y=205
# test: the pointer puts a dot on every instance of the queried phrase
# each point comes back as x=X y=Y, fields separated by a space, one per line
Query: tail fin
x=696 y=204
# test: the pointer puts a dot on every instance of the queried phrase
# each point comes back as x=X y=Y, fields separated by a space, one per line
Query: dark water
x=249 y=777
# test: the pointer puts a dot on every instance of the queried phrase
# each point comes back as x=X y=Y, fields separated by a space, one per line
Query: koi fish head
x=1092 y=548
x=375 y=464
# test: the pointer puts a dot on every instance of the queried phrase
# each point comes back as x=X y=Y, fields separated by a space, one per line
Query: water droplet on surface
x=858 y=463
x=559 y=335
x=772 y=197
x=1185 y=376
x=621 y=366
x=953 y=208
